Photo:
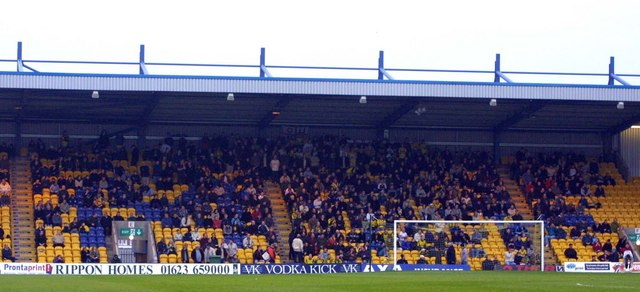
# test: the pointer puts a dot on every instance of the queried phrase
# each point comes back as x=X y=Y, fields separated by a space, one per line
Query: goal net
x=483 y=245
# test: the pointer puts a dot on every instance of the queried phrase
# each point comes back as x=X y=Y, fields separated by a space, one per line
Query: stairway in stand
x=22 y=223
x=282 y=223
x=518 y=198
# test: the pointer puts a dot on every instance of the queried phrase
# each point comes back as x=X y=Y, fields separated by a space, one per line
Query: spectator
x=422 y=260
x=298 y=247
x=184 y=254
x=509 y=256
x=58 y=239
x=247 y=242
x=627 y=257
x=197 y=256
x=607 y=246
x=488 y=264
x=570 y=252
x=451 y=254
x=402 y=261
x=464 y=255
x=7 y=254
x=324 y=256
x=231 y=250
x=161 y=247
x=116 y=259
x=58 y=259
x=5 y=188
x=94 y=256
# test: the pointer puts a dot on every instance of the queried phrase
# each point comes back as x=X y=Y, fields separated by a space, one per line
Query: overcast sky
x=542 y=35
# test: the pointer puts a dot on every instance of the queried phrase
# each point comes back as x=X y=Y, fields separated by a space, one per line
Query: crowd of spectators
x=220 y=183
x=551 y=183
x=548 y=178
x=341 y=194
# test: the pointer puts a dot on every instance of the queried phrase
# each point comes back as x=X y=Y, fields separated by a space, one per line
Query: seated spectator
x=5 y=188
x=58 y=259
x=509 y=256
x=402 y=260
x=7 y=254
x=58 y=239
x=161 y=247
x=231 y=250
x=476 y=252
x=195 y=235
x=607 y=246
x=247 y=242
x=604 y=227
x=570 y=252
x=588 y=239
x=324 y=256
x=116 y=259
x=613 y=257
x=596 y=245
x=94 y=256
x=488 y=264
x=422 y=260
x=177 y=236
x=575 y=233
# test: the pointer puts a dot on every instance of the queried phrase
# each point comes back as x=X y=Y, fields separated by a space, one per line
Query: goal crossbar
x=540 y=222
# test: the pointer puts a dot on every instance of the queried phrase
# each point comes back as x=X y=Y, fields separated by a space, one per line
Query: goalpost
x=490 y=238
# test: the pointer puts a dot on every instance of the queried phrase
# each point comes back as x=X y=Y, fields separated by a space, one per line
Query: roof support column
x=18 y=138
x=19 y=65
x=264 y=72
x=496 y=147
x=142 y=137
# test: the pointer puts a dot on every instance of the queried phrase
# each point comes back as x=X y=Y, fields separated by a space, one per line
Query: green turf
x=389 y=281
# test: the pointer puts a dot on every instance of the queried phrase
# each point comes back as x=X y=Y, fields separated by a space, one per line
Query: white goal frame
x=396 y=222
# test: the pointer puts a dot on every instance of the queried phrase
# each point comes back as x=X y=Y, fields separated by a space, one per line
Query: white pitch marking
x=610 y=287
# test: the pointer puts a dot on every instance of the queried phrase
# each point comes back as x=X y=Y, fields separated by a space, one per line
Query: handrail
x=27 y=65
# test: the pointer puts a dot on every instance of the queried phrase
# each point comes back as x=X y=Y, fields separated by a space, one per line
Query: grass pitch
x=387 y=281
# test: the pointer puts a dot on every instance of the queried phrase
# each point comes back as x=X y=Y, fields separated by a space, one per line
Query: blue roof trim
x=318 y=80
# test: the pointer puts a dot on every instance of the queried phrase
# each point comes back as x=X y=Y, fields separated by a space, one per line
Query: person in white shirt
x=195 y=235
x=509 y=257
x=418 y=236
x=298 y=248
x=247 y=242
x=177 y=236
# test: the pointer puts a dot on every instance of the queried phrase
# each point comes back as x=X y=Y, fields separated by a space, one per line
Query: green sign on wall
x=131 y=231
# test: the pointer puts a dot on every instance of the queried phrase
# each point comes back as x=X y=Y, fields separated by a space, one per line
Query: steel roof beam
x=530 y=109
x=269 y=116
x=624 y=125
x=398 y=113
x=148 y=110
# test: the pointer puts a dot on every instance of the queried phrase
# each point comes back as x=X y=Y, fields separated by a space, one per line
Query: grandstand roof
x=383 y=111
x=137 y=99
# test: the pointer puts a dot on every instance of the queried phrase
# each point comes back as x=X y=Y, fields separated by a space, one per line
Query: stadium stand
x=580 y=198
x=5 y=202
x=195 y=196
x=330 y=199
